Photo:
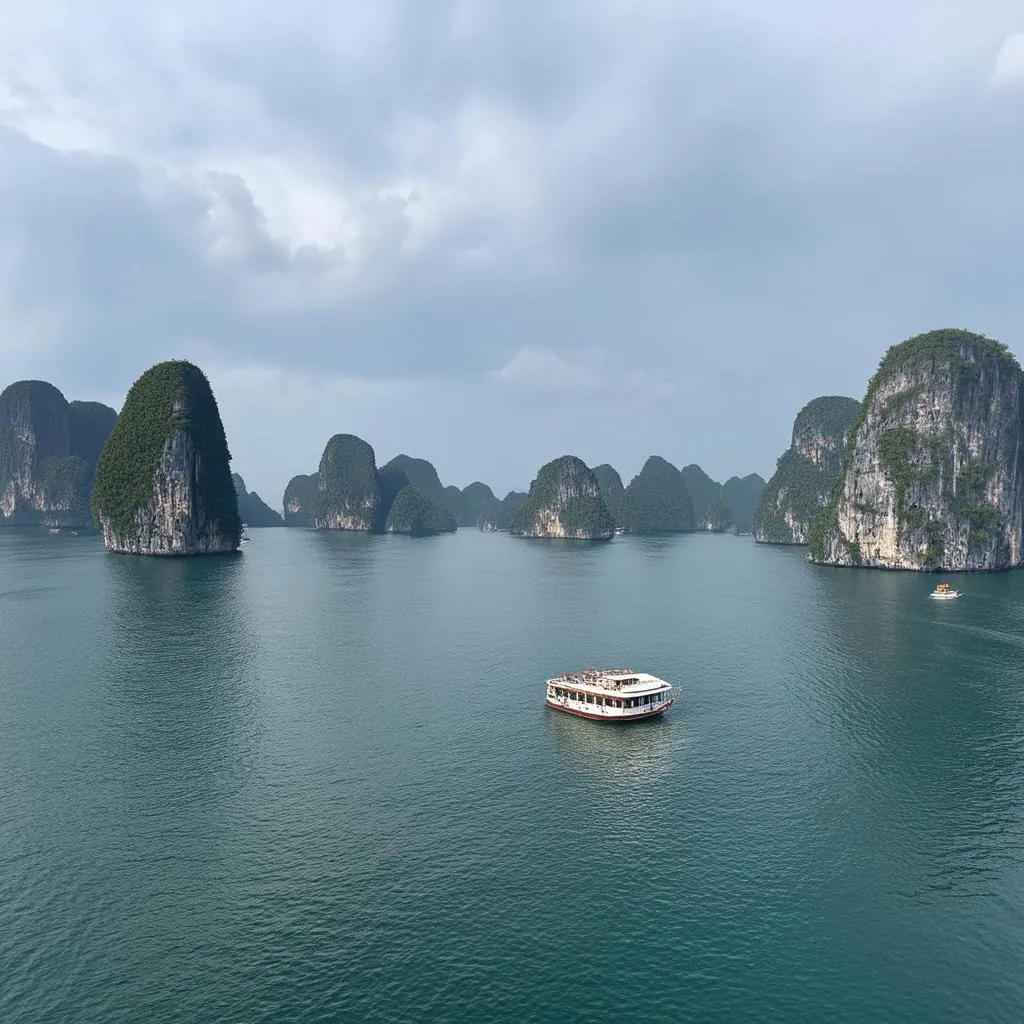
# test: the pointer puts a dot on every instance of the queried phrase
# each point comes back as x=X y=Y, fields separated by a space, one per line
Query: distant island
x=252 y=509
x=163 y=480
x=49 y=448
x=564 y=501
x=806 y=471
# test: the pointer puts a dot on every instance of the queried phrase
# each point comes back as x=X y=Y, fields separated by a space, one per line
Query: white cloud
x=1008 y=68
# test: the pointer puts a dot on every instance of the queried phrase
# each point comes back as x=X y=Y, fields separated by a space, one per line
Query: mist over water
x=317 y=782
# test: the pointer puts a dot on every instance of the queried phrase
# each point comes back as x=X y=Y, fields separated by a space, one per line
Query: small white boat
x=943 y=592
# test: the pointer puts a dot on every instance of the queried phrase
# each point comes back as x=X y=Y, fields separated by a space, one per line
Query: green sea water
x=317 y=782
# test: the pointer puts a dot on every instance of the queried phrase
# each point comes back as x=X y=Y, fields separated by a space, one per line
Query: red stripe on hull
x=610 y=718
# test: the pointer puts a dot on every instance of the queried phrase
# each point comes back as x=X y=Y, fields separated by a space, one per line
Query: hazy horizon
x=488 y=234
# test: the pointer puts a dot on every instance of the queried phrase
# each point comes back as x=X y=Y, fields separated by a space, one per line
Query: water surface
x=317 y=782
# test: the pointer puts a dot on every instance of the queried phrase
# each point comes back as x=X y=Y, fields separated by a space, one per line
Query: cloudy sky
x=489 y=233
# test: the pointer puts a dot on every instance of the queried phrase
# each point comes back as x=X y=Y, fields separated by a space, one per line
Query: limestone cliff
x=416 y=515
x=48 y=452
x=613 y=493
x=740 y=495
x=656 y=500
x=477 y=505
x=163 y=481
x=704 y=493
x=933 y=468
x=502 y=518
x=348 y=495
x=299 y=496
x=804 y=474
x=421 y=474
x=252 y=509
x=564 y=501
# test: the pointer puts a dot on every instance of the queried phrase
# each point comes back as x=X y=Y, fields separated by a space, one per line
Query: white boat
x=245 y=534
x=943 y=592
x=610 y=694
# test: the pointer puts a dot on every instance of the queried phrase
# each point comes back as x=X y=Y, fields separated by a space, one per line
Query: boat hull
x=555 y=705
x=943 y=597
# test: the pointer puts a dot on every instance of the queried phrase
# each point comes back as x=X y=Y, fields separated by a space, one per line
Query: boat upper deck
x=611 y=680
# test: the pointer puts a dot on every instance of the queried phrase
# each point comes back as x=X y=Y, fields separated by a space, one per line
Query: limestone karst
x=163 y=480
x=933 y=468
x=564 y=501
x=805 y=472
x=48 y=453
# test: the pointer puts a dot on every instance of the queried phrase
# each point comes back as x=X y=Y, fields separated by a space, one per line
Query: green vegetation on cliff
x=703 y=492
x=348 y=488
x=89 y=426
x=169 y=397
x=413 y=513
x=505 y=514
x=299 y=497
x=740 y=495
x=567 y=489
x=938 y=493
x=252 y=509
x=421 y=474
x=477 y=505
x=656 y=500
x=612 y=492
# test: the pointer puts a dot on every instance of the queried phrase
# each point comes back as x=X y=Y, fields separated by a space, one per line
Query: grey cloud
x=746 y=212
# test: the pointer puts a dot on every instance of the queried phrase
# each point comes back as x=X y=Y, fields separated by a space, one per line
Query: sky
x=489 y=234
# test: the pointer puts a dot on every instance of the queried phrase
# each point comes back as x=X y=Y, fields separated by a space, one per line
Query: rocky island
x=163 y=481
x=478 y=505
x=298 y=499
x=564 y=501
x=613 y=494
x=252 y=509
x=656 y=500
x=740 y=495
x=350 y=493
x=709 y=511
x=48 y=453
x=413 y=513
x=933 y=470
x=805 y=472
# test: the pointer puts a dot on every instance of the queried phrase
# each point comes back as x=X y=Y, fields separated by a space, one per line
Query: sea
x=317 y=782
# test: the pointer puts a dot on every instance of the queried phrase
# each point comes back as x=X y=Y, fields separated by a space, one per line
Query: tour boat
x=610 y=694
x=943 y=593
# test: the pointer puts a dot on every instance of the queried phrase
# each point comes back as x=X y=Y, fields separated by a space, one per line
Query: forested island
x=932 y=475
x=806 y=471
x=163 y=480
x=48 y=453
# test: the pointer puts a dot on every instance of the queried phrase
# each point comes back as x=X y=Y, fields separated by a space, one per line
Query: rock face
x=477 y=505
x=704 y=493
x=797 y=492
x=504 y=516
x=48 y=453
x=163 y=481
x=416 y=515
x=564 y=501
x=348 y=495
x=421 y=475
x=741 y=495
x=933 y=471
x=299 y=497
x=612 y=492
x=252 y=509
x=656 y=500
